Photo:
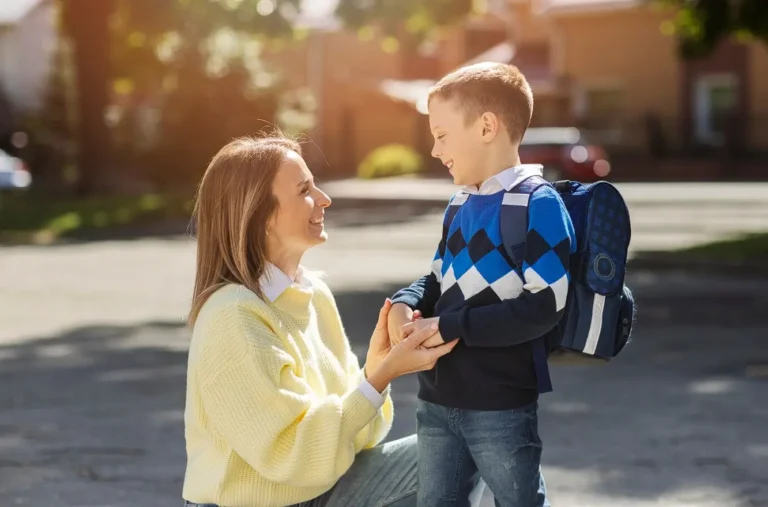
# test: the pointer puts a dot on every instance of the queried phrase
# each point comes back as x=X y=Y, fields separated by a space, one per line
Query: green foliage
x=390 y=160
x=747 y=247
x=412 y=19
x=27 y=216
x=196 y=68
x=150 y=37
x=700 y=25
x=198 y=118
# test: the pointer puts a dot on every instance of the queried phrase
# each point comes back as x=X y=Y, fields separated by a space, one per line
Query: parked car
x=565 y=153
x=14 y=174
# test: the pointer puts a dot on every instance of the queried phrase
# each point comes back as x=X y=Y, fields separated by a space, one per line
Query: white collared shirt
x=274 y=282
x=505 y=180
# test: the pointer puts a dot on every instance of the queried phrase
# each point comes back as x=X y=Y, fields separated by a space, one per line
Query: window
x=716 y=98
x=599 y=108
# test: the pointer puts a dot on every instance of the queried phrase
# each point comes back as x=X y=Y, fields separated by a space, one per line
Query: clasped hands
x=403 y=322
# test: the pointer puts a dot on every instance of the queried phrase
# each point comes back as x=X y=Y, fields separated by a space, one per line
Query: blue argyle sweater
x=500 y=311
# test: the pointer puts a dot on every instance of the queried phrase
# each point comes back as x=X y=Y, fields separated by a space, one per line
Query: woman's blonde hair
x=233 y=206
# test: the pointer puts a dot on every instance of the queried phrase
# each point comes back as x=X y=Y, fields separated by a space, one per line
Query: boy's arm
x=549 y=242
x=422 y=295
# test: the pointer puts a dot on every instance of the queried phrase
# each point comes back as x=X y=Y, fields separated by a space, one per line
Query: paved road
x=92 y=362
x=664 y=216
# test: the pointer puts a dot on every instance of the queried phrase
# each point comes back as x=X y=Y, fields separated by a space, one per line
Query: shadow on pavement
x=96 y=412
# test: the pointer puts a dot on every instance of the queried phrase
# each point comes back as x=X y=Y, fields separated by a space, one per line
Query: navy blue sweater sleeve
x=421 y=295
x=424 y=293
x=550 y=239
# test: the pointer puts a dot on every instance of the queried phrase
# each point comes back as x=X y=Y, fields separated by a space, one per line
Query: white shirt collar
x=506 y=179
x=274 y=282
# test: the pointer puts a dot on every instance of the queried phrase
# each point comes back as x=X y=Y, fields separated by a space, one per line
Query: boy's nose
x=435 y=152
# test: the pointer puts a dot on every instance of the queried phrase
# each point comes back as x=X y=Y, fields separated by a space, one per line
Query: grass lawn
x=30 y=218
x=750 y=247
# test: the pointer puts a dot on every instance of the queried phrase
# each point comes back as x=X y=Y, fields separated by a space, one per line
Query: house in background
x=369 y=95
x=607 y=66
x=27 y=40
x=628 y=85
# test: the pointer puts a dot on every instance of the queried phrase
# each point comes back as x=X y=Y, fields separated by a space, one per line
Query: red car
x=565 y=153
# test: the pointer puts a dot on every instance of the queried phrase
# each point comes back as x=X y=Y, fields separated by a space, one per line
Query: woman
x=278 y=409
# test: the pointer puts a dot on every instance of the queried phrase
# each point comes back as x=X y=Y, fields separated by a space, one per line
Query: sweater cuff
x=407 y=299
x=377 y=399
x=358 y=412
x=370 y=392
x=449 y=325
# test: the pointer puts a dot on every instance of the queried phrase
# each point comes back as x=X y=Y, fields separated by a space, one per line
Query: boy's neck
x=498 y=162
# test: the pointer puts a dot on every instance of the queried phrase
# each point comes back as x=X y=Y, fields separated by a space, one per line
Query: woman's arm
x=374 y=432
x=270 y=415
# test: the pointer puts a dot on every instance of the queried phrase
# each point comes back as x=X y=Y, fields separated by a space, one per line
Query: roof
x=413 y=92
x=531 y=59
x=583 y=6
x=13 y=11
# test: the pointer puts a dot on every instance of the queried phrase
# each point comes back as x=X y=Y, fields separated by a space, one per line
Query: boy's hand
x=417 y=325
x=399 y=315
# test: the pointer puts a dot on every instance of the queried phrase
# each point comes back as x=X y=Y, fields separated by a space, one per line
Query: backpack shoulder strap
x=514 y=229
x=514 y=217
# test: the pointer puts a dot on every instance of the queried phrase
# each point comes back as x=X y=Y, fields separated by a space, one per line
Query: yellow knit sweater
x=273 y=413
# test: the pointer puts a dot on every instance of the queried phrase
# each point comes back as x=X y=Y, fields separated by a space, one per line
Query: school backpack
x=600 y=309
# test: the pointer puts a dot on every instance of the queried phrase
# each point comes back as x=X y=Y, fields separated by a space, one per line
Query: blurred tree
x=195 y=69
x=701 y=24
x=86 y=22
x=414 y=19
x=140 y=46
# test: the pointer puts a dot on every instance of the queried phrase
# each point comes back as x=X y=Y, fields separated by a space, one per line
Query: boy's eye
x=441 y=136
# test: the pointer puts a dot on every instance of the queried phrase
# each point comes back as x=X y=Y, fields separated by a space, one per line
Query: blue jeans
x=459 y=447
x=384 y=476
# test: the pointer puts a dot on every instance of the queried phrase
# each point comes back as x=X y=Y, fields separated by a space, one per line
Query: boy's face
x=458 y=146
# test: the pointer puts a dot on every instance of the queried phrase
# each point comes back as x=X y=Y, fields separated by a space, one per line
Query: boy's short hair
x=490 y=87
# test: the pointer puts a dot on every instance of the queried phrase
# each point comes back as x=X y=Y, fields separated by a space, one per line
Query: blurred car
x=565 y=153
x=14 y=174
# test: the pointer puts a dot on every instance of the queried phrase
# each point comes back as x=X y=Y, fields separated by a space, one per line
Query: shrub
x=390 y=160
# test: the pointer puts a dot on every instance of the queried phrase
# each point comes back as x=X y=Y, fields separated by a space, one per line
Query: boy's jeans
x=458 y=447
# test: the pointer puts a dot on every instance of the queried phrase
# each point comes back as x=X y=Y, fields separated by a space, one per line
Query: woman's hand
x=417 y=325
x=400 y=315
x=385 y=362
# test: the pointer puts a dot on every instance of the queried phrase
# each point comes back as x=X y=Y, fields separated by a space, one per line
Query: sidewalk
x=665 y=216
x=440 y=189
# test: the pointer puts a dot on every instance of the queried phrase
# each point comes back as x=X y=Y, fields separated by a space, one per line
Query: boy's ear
x=490 y=125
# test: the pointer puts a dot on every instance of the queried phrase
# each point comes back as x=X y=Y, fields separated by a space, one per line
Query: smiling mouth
x=317 y=221
x=448 y=164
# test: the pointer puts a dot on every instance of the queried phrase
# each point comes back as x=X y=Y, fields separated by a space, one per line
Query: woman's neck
x=287 y=263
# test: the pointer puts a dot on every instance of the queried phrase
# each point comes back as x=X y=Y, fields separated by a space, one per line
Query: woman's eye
x=304 y=190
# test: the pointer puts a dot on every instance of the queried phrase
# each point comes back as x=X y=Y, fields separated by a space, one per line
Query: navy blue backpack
x=600 y=309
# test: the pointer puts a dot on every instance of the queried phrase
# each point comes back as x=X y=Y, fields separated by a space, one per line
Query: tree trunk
x=87 y=22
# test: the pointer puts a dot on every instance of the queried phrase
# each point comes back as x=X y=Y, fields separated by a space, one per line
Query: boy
x=477 y=414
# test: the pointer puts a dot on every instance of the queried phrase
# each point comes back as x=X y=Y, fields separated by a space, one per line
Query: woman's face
x=298 y=222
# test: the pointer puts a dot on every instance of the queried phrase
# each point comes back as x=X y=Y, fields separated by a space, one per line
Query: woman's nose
x=323 y=200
